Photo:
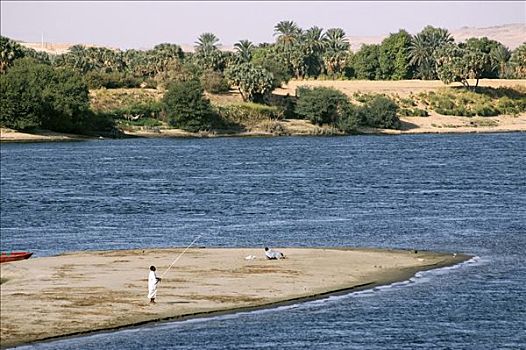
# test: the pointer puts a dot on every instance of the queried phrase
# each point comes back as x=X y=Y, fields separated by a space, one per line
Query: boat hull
x=14 y=256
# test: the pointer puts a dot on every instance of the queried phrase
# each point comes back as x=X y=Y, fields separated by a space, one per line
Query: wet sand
x=77 y=293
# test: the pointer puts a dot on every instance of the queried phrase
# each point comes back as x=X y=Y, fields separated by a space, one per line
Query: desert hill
x=511 y=35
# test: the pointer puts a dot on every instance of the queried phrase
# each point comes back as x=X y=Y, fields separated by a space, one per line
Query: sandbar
x=82 y=292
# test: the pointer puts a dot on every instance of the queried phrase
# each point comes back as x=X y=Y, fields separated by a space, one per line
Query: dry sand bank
x=9 y=135
x=80 y=292
x=402 y=88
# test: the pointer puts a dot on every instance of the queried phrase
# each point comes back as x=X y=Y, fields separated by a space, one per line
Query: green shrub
x=214 y=82
x=97 y=80
x=413 y=112
x=187 y=108
x=350 y=119
x=362 y=97
x=506 y=105
x=138 y=110
x=486 y=110
x=321 y=105
x=380 y=112
x=249 y=113
x=483 y=101
x=407 y=102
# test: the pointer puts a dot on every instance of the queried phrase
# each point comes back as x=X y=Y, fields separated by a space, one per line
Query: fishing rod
x=173 y=263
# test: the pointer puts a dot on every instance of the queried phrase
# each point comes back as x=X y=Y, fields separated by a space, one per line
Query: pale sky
x=137 y=24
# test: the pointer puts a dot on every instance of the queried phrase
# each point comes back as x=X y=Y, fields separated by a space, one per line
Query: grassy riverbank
x=424 y=107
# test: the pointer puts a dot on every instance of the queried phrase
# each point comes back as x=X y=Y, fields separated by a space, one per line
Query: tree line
x=254 y=70
x=296 y=53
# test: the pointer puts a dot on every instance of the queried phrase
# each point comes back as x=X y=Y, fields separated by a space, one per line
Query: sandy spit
x=82 y=292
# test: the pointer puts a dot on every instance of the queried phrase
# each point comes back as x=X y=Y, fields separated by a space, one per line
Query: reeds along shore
x=75 y=293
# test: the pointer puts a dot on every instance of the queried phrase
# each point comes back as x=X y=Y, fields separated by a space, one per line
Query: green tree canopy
x=38 y=95
x=321 y=105
x=186 y=106
x=254 y=83
x=518 y=62
x=394 y=56
x=270 y=60
x=366 y=62
x=207 y=54
x=10 y=50
x=207 y=42
x=457 y=64
x=423 y=48
x=498 y=54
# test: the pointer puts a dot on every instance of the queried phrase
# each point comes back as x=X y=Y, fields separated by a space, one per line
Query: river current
x=454 y=193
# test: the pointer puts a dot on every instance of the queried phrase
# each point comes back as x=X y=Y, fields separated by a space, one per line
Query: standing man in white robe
x=152 y=284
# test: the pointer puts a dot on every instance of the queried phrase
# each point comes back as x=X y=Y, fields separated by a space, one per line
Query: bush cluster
x=187 y=108
x=97 y=80
x=214 y=82
x=379 y=112
x=329 y=106
x=137 y=111
x=413 y=112
x=248 y=113
x=321 y=105
x=484 y=102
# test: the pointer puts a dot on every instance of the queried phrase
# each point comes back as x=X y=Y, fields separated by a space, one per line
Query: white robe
x=152 y=285
x=274 y=254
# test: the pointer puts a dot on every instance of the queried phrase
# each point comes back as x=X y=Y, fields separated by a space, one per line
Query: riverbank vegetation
x=100 y=90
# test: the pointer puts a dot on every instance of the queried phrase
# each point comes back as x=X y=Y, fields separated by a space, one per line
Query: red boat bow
x=12 y=256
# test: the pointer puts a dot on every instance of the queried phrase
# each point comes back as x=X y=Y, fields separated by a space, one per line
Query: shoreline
x=242 y=285
x=20 y=137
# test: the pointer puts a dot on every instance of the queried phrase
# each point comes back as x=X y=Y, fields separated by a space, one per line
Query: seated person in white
x=273 y=254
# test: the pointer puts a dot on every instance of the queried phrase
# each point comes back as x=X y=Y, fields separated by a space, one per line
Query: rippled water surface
x=457 y=193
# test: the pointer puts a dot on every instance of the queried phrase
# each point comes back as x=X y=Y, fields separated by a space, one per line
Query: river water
x=455 y=193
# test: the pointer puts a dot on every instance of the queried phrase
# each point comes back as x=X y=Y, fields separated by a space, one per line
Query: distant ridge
x=511 y=35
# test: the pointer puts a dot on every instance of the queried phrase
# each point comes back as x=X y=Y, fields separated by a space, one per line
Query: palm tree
x=244 y=50
x=313 y=48
x=336 y=50
x=288 y=33
x=207 y=42
x=313 y=35
x=500 y=56
x=439 y=37
x=335 y=40
x=423 y=48
x=420 y=56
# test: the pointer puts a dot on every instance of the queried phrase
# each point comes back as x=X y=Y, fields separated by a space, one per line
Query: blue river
x=455 y=193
